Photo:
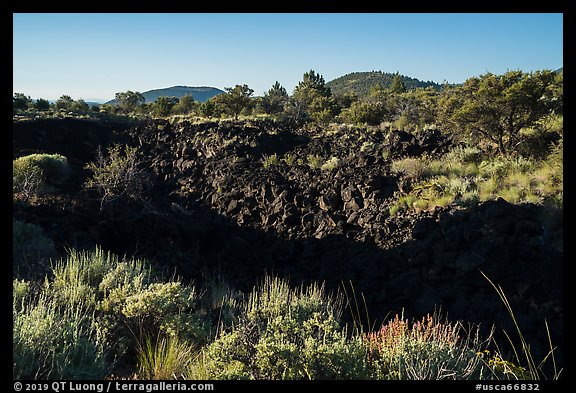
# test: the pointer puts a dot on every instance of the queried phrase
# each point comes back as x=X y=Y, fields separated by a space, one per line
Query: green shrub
x=501 y=369
x=403 y=203
x=130 y=302
x=331 y=164
x=424 y=350
x=78 y=276
x=168 y=307
x=38 y=173
x=54 y=342
x=122 y=280
x=56 y=334
x=285 y=333
x=270 y=160
x=31 y=249
x=461 y=178
x=314 y=161
x=290 y=158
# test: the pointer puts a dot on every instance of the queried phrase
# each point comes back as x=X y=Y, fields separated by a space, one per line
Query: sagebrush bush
x=168 y=307
x=465 y=154
x=290 y=158
x=51 y=341
x=129 y=300
x=285 y=333
x=314 y=161
x=78 y=276
x=31 y=249
x=38 y=173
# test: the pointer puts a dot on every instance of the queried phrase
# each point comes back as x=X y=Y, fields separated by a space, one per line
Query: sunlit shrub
x=55 y=342
x=285 y=333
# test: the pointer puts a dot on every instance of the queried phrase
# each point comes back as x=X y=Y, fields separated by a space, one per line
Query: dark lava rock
x=315 y=225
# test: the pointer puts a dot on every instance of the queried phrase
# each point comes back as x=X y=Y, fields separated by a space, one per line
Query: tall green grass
x=167 y=358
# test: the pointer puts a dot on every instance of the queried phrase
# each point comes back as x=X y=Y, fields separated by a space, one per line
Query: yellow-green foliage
x=76 y=277
x=285 y=333
x=314 y=161
x=97 y=308
x=463 y=176
x=168 y=358
x=270 y=160
x=38 y=173
x=168 y=307
x=404 y=202
x=119 y=174
x=502 y=369
x=331 y=164
x=20 y=291
x=410 y=167
x=95 y=300
x=51 y=341
x=290 y=158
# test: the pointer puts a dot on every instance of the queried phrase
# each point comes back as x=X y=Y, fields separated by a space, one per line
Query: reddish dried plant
x=390 y=339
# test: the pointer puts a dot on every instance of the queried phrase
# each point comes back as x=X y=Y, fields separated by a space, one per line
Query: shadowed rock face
x=215 y=207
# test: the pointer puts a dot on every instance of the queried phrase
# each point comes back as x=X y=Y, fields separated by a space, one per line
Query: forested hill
x=200 y=94
x=361 y=82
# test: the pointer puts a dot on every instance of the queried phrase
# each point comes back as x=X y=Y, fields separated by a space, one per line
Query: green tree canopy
x=20 y=101
x=207 y=109
x=314 y=81
x=237 y=98
x=129 y=100
x=275 y=99
x=80 y=106
x=64 y=103
x=313 y=97
x=397 y=85
x=163 y=105
x=41 y=104
x=495 y=108
x=185 y=105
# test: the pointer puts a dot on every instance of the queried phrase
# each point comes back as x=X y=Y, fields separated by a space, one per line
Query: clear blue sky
x=96 y=55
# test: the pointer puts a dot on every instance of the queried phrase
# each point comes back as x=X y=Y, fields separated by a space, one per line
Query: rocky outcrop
x=319 y=210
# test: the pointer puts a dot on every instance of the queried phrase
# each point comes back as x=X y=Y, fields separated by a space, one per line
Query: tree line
x=490 y=108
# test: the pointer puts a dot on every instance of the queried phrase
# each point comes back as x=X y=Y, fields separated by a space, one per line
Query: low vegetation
x=98 y=311
x=37 y=174
x=31 y=249
x=466 y=176
x=118 y=175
